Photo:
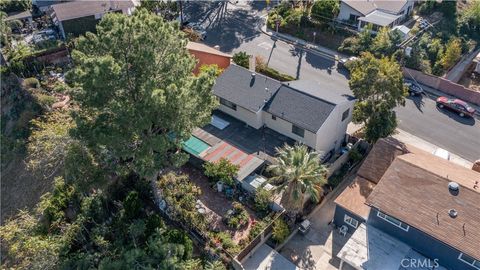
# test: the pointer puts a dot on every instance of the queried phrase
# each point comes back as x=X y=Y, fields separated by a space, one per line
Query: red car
x=456 y=105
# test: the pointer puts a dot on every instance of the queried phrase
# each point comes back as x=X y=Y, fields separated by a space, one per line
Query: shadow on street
x=418 y=101
x=222 y=24
x=469 y=121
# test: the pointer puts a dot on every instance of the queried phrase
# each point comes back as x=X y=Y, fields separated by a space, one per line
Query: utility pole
x=181 y=12
x=277 y=23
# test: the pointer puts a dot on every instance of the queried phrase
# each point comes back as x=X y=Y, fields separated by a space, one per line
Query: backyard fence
x=444 y=85
x=258 y=240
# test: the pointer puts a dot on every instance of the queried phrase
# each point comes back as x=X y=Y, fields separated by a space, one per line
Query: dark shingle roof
x=237 y=85
x=299 y=108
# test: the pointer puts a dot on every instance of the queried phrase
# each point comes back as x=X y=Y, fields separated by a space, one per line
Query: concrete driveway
x=314 y=250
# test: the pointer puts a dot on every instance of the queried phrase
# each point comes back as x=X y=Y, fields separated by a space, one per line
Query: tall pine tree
x=137 y=94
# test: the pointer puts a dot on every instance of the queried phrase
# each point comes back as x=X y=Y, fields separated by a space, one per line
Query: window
x=469 y=260
x=345 y=114
x=351 y=221
x=228 y=104
x=393 y=221
x=353 y=18
x=274 y=117
x=298 y=131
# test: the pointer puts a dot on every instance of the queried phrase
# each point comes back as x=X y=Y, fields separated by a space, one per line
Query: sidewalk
x=420 y=143
x=408 y=138
x=314 y=48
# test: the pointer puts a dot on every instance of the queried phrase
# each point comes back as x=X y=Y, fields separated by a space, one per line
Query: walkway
x=314 y=250
x=456 y=73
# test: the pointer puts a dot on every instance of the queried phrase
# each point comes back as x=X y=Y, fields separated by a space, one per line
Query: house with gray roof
x=379 y=13
x=77 y=17
x=314 y=114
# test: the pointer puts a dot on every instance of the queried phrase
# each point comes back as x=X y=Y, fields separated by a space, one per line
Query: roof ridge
x=310 y=95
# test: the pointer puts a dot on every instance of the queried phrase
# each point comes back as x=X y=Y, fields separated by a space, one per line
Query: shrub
x=222 y=170
x=257 y=228
x=355 y=155
x=242 y=59
x=325 y=10
x=15 y=24
x=280 y=231
x=262 y=200
x=227 y=242
x=45 y=101
x=31 y=83
x=270 y=72
x=239 y=217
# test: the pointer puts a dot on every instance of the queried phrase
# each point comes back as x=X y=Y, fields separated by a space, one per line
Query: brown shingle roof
x=412 y=193
x=353 y=198
x=79 y=9
x=381 y=156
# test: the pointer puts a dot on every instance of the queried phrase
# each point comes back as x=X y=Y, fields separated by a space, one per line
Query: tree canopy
x=325 y=10
x=138 y=96
x=297 y=172
x=378 y=86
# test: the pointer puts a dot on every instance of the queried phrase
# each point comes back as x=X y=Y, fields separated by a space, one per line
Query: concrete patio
x=260 y=143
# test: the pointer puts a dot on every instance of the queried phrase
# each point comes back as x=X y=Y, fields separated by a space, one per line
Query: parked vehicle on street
x=459 y=106
x=345 y=62
x=413 y=88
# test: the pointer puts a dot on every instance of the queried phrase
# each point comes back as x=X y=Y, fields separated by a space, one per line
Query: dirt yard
x=218 y=204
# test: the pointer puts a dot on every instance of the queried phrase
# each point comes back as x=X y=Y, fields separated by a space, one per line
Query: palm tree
x=297 y=172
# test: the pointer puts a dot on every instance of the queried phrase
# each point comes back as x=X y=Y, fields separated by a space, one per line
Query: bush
x=222 y=170
x=31 y=83
x=257 y=228
x=280 y=231
x=227 y=242
x=45 y=101
x=325 y=10
x=338 y=176
x=239 y=218
x=242 y=59
x=355 y=155
x=262 y=200
x=15 y=24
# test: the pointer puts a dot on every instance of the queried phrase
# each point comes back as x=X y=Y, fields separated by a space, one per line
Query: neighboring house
x=379 y=13
x=305 y=111
x=25 y=17
x=207 y=56
x=76 y=18
x=428 y=203
x=44 y=5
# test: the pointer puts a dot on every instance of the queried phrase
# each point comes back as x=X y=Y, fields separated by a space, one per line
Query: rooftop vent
x=453 y=186
x=452 y=213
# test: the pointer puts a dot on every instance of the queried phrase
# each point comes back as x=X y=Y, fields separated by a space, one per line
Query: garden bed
x=226 y=223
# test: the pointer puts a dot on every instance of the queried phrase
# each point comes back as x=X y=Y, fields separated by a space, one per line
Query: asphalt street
x=235 y=27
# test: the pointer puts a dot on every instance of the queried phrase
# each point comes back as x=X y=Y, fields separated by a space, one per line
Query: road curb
x=307 y=46
x=437 y=93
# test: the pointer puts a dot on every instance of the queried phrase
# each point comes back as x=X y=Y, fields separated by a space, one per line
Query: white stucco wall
x=283 y=127
x=332 y=133
x=250 y=118
x=345 y=11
